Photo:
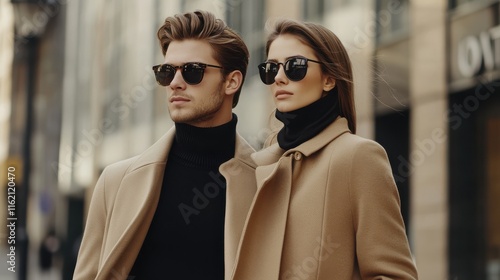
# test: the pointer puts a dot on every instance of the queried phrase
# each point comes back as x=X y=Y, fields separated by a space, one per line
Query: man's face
x=204 y=104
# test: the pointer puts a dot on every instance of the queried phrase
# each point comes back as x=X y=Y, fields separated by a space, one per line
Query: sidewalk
x=34 y=272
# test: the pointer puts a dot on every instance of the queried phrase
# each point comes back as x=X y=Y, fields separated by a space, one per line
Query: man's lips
x=178 y=99
x=281 y=94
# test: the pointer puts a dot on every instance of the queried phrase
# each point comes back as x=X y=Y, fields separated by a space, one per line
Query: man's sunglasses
x=295 y=69
x=192 y=72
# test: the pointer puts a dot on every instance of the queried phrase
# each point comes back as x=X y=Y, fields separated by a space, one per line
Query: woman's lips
x=282 y=94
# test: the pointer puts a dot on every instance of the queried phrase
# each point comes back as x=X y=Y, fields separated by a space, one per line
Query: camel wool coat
x=327 y=209
x=124 y=202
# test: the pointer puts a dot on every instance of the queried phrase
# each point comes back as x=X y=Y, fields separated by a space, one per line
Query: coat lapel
x=327 y=135
x=259 y=254
x=240 y=190
x=134 y=208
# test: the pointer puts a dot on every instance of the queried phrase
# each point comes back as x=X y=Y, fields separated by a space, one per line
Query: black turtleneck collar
x=304 y=123
x=205 y=146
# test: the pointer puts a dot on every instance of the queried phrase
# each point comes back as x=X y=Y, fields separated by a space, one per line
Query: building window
x=392 y=19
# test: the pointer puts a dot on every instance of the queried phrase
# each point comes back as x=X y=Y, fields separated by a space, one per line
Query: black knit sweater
x=186 y=237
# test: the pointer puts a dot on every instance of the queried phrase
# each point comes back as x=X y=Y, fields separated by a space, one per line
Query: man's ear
x=233 y=82
x=328 y=83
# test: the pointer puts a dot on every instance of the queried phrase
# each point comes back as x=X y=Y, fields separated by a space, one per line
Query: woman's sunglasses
x=192 y=72
x=295 y=69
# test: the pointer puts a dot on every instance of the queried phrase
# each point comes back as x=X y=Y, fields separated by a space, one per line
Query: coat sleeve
x=382 y=248
x=87 y=264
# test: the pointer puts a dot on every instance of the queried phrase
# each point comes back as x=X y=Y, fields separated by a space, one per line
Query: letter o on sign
x=469 y=56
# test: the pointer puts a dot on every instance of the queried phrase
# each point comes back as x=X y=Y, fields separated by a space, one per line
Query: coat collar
x=157 y=153
x=274 y=152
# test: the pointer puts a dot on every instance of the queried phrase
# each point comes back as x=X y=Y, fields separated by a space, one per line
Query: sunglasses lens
x=164 y=74
x=296 y=68
x=193 y=73
x=268 y=71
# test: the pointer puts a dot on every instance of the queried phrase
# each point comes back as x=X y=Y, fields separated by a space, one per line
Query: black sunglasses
x=295 y=69
x=192 y=72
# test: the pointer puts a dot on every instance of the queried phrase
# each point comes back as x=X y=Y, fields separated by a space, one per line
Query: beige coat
x=124 y=202
x=327 y=209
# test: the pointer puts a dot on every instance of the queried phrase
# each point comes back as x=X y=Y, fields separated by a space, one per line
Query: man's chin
x=183 y=118
x=179 y=116
x=193 y=117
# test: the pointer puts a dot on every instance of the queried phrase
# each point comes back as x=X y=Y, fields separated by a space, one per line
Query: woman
x=326 y=205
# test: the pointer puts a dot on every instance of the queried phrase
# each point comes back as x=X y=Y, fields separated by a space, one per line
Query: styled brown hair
x=332 y=54
x=228 y=47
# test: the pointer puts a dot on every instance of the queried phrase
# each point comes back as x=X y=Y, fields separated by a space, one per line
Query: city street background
x=77 y=93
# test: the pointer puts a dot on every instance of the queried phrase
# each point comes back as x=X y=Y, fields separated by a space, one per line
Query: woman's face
x=289 y=95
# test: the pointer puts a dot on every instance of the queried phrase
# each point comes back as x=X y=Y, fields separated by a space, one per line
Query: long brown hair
x=332 y=54
x=228 y=47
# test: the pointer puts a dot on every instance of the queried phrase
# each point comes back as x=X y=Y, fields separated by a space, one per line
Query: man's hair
x=228 y=47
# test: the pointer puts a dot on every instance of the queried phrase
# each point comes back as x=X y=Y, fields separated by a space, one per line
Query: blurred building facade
x=473 y=110
x=426 y=77
x=437 y=113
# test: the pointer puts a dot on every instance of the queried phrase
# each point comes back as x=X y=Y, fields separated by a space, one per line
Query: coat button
x=297 y=156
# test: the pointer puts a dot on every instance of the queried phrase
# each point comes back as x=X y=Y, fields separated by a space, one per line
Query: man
x=166 y=213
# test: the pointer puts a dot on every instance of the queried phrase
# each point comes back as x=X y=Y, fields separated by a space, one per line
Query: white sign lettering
x=477 y=51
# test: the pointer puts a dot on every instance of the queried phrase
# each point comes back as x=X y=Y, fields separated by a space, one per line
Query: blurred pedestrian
x=47 y=250
x=161 y=214
x=326 y=205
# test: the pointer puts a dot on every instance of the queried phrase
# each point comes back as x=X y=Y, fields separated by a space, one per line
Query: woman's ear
x=233 y=82
x=328 y=83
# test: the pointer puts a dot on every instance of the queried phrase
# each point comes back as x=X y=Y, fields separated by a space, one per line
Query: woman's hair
x=332 y=54
x=228 y=47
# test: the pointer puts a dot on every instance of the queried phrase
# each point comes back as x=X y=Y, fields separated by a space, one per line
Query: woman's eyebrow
x=286 y=58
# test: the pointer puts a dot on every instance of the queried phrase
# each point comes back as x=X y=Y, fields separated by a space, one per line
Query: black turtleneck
x=186 y=237
x=304 y=123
